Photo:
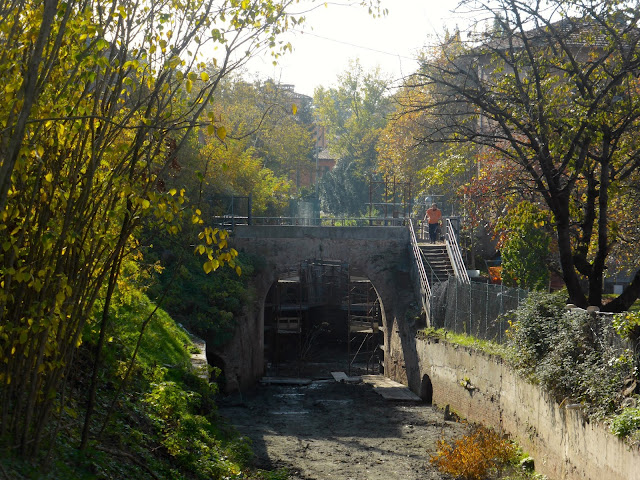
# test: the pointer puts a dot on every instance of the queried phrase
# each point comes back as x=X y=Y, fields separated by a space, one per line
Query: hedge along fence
x=479 y=309
x=571 y=353
x=474 y=308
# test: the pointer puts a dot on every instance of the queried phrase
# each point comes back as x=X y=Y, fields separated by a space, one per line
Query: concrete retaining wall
x=483 y=389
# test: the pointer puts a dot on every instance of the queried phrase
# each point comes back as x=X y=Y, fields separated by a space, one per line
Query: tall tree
x=524 y=247
x=553 y=88
x=274 y=121
x=403 y=152
x=354 y=114
x=98 y=98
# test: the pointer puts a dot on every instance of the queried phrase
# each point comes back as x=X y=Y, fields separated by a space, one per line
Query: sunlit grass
x=465 y=340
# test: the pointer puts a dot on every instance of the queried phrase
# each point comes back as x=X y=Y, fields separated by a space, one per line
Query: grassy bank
x=156 y=418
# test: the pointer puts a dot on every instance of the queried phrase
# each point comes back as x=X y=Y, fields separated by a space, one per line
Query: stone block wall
x=379 y=253
x=483 y=389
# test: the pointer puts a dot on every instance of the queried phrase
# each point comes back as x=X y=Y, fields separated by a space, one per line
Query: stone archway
x=380 y=253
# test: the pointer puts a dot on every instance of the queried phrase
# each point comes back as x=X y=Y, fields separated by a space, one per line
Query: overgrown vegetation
x=582 y=359
x=205 y=304
x=486 y=346
x=158 y=418
x=481 y=455
x=626 y=424
x=99 y=98
x=574 y=355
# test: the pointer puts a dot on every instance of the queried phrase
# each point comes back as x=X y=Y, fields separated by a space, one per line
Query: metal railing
x=229 y=222
x=233 y=220
x=453 y=250
x=425 y=289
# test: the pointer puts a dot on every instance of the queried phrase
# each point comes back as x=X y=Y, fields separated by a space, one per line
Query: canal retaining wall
x=484 y=389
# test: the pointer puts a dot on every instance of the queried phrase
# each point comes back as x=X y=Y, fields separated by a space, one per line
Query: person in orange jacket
x=432 y=217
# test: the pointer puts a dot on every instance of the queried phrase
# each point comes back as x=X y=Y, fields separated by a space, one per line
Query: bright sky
x=336 y=34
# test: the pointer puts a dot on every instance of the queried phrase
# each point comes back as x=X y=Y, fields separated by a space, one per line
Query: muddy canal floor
x=329 y=430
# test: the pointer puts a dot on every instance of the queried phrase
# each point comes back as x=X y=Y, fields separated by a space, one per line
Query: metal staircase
x=435 y=263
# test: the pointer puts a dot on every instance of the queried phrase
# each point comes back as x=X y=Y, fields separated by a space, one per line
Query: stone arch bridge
x=383 y=254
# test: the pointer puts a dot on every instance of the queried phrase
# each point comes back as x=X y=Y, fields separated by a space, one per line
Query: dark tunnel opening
x=426 y=390
x=321 y=318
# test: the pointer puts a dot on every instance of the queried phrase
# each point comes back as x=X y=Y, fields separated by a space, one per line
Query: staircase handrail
x=425 y=289
x=459 y=267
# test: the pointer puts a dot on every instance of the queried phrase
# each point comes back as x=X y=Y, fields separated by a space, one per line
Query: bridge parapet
x=321 y=232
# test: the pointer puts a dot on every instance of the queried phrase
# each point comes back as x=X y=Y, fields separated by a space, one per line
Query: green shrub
x=627 y=325
x=532 y=328
x=569 y=353
x=626 y=422
x=206 y=304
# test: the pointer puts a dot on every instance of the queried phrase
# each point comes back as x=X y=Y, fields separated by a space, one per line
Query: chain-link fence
x=474 y=308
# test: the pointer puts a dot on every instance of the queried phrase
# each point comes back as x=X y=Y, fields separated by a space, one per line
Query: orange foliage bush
x=473 y=456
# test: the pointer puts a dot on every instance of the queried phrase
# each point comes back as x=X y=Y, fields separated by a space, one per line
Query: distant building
x=326 y=162
x=322 y=163
x=295 y=97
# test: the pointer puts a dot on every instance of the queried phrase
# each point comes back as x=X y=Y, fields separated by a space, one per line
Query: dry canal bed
x=329 y=430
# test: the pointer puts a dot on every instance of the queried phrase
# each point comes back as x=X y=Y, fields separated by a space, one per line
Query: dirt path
x=330 y=430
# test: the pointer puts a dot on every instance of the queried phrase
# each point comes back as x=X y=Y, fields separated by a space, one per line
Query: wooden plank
x=285 y=381
x=342 y=377
x=390 y=390
x=339 y=376
x=360 y=330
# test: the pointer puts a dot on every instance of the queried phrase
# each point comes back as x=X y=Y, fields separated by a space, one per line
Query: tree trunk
x=30 y=94
x=113 y=277
x=627 y=298
x=569 y=275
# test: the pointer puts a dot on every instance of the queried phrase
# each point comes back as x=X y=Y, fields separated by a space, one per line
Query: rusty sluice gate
x=322 y=317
